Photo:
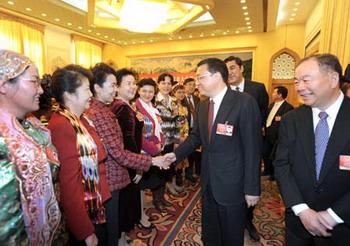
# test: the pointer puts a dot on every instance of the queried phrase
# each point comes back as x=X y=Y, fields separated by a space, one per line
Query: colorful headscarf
x=12 y=64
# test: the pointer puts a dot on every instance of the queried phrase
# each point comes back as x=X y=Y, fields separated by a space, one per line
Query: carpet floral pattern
x=181 y=225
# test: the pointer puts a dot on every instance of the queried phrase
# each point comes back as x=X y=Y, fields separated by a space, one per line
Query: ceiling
x=231 y=18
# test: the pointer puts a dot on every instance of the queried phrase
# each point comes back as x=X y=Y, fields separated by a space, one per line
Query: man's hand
x=327 y=220
x=311 y=221
x=159 y=161
x=251 y=200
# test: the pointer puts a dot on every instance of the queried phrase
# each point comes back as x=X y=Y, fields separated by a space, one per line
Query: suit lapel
x=307 y=138
x=338 y=138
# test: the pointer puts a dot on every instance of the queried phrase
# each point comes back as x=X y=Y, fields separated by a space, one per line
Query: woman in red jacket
x=81 y=153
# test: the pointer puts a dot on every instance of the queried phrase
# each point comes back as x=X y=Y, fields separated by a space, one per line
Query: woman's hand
x=91 y=240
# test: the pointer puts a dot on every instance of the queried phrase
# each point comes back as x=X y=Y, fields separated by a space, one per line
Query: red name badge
x=224 y=129
x=344 y=162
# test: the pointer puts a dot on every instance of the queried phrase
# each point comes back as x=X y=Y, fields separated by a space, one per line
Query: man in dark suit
x=312 y=159
x=257 y=90
x=275 y=111
x=191 y=101
x=228 y=129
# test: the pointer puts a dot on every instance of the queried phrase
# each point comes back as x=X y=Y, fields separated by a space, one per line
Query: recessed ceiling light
x=179 y=37
x=291 y=19
x=89 y=30
x=295 y=9
x=227 y=30
x=106 y=36
x=69 y=24
x=293 y=14
x=246 y=13
x=125 y=43
x=248 y=23
x=79 y=27
x=237 y=32
x=133 y=42
x=243 y=1
x=249 y=27
x=170 y=38
x=297 y=3
x=151 y=40
x=247 y=18
x=207 y=7
x=225 y=33
x=98 y=34
x=28 y=9
x=57 y=19
x=113 y=39
x=142 y=41
x=190 y=36
x=43 y=14
x=250 y=30
x=202 y=35
x=244 y=7
x=213 y=34
x=10 y=3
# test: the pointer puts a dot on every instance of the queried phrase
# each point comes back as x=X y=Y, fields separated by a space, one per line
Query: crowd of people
x=78 y=149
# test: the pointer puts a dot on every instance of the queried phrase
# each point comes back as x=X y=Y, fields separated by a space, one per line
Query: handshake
x=164 y=161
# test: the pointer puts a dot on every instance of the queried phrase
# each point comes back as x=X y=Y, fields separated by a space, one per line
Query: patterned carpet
x=181 y=225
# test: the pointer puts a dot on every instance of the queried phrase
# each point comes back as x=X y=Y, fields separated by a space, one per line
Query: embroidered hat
x=12 y=64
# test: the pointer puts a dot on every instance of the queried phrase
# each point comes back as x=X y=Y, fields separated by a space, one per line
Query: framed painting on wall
x=182 y=67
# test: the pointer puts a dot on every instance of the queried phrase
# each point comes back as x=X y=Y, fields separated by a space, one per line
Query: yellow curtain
x=23 y=38
x=335 y=29
x=33 y=46
x=87 y=52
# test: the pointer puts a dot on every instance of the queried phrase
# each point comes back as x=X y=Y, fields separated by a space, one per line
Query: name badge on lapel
x=344 y=162
x=224 y=129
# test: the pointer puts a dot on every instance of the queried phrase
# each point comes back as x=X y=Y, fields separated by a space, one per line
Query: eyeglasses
x=36 y=81
x=201 y=77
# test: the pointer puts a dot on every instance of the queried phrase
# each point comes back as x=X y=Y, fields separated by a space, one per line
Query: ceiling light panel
x=147 y=16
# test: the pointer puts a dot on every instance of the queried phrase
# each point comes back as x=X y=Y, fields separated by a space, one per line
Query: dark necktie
x=321 y=140
x=210 y=116
x=237 y=88
x=190 y=104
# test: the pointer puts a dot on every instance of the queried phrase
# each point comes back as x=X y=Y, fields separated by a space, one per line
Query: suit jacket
x=230 y=164
x=271 y=133
x=186 y=102
x=258 y=91
x=295 y=165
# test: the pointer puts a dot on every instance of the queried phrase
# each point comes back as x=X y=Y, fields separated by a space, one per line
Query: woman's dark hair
x=67 y=79
x=163 y=75
x=100 y=72
x=147 y=81
x=121 y=73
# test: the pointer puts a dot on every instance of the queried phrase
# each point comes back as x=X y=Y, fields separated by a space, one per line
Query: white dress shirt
x=332 y=112
x=240 y=86
x=273 y=111
x=217 y=101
